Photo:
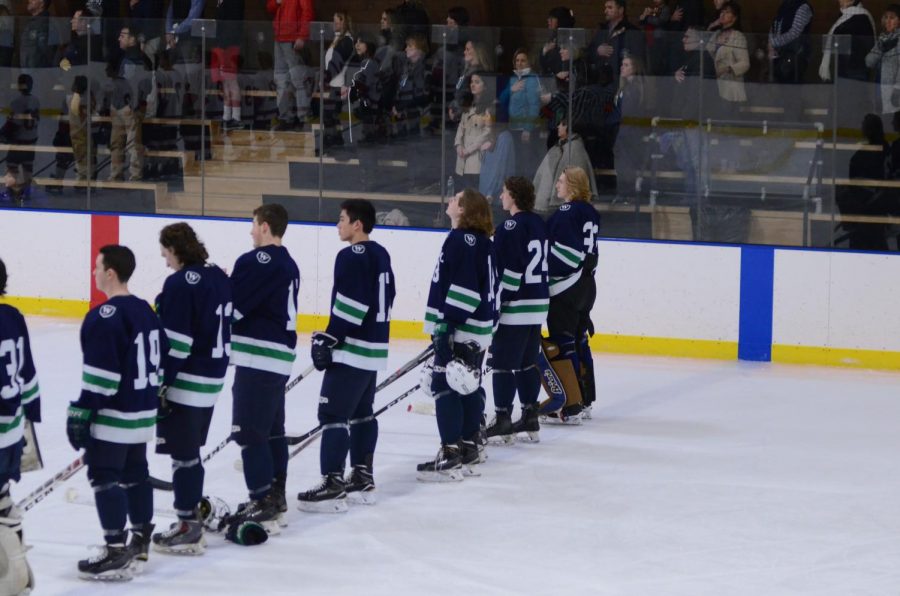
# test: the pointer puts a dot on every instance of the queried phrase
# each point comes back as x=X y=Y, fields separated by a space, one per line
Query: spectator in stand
x=364 y=88
x=475 y=59
x=551 y=60
x=390 y=59
x=130 y=87
x=522 y=99
x=80 y=105
x=715 y=24
x=225 y=63
x=21 y=127
x=337 y=57
x=610 y=44
x=448 y=62
x=412 y=94
x=629 y=149
x=789 y=43
x=886 y=56
x=858 y=23
x=731 y=58
x=473 y=136
x=146 y=17
x=39 y=41
x=568 y=151
x=655 y=20
x=290 y=24
x=19 y=192
x=687 y=13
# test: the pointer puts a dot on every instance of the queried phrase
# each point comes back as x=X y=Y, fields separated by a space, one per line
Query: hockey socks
x=335 y=444
x=258 y=473
x=363 y=439
x=112 y=507
x=449 y=412
x=279 y=449
x=504 y=389
x=187 y=481
x=473 y=411
x=528 y=384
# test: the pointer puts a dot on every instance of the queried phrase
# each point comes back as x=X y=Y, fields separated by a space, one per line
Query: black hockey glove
x=323 y=345
x=78 y=426
x=442 y=341
x=469 y=352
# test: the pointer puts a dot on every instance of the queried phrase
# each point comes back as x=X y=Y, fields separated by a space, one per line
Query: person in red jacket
x=291 y=19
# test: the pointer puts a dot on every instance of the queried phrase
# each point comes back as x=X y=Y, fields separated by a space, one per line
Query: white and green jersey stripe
x=473 y=329
x=463 y=298
x=558 y=285
x=262 y=355
x=361 y=354
x=99 y=381
x=179 y=344
x=568 y=255
x=30 y=391
x=195 y=390
x=510 y=280
x=524 y=312
x=348 y=309
x=11 y=429
x=130 y=428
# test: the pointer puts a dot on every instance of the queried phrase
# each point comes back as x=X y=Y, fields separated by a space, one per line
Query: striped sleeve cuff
x=462 y=298
x=511 y=280
x=97 y=380
x=348 y=309
x=30 y=391
x=567 y=254
x=179 y=344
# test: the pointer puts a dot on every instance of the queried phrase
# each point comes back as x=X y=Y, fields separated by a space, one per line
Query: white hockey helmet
x=425 y=376
x=463 y=378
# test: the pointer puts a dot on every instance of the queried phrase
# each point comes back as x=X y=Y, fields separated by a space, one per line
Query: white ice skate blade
x=328 y=506
x=282 y=520
x=502 y=440
x=531 y=436
x=570 y=421
x=113 y=575
x=363 y=497
x=586 y=413
x=137 y=566
x=441 y=476
x=191 y=550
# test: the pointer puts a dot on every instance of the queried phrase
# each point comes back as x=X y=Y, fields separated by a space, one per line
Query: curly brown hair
x=522 y=191
x=181 y=239
x=476 y=213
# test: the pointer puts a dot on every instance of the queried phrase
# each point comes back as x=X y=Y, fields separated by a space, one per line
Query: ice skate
x=445 y=467
x=360 y=485
x=279 y=494
x=262 y=511
x=139 y=545
x=470 y=456
x=586 y=412
x=527 y=428
x=184 y=537
x=112 y=563
x=567 y=415
x=330 y=496
x=500 y=430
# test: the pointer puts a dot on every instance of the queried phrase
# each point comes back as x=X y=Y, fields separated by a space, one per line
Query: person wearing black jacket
x=789 y=44
x=610 y=44
x=858 y=23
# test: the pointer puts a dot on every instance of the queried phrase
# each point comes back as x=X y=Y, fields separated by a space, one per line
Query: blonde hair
x=579 y=184
x=476 y=213
x=348 y=26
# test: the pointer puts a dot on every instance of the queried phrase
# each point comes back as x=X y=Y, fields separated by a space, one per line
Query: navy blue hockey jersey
x=521 y=246
x=19 y=389
x=361 y=303
x=122 y=342
x=464 y=287
x=265 y=284
x=572 y=232
x=195 y=309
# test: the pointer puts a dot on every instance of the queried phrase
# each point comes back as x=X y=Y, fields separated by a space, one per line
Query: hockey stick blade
x=164 y=485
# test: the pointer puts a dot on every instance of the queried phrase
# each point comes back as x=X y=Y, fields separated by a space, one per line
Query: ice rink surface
x=693 y=478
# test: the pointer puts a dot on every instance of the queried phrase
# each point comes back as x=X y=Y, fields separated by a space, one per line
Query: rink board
x=655 y=298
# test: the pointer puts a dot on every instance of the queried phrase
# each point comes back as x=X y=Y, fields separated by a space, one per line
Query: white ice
x=694 y=477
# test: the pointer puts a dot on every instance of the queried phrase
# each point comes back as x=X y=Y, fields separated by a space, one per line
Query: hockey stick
x=38 y=494
x=422 y=357
x=306 y=439
x=164 y=485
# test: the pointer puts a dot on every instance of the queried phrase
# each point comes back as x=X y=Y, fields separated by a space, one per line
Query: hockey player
x=195 y=309
x=21 y=395
x=350 y=351
x=115 y=415
x=572 y=235
x=521 y=246
x=460 y=318
x=265 y=283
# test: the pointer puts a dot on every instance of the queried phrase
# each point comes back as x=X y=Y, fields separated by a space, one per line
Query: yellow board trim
x=853 y=358
x=48 y=307
x=399 y=329
x=665 y=346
